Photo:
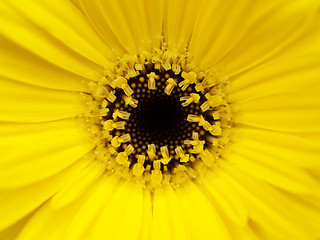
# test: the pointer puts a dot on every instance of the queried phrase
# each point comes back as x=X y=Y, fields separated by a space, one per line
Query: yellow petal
x=219 y=27
x=168 y=217
x=16 y=204
x=64 y=22
x=29 y=36
x=90 y=209
x=25 y=103
x=147 y=215
x=266 y=207
x=121 y=217
x=121 y=25
x=271 y=170
x=39 y=151
x=263 y=37
x=291 y=149
x=36 y=71
x=74 y=188
x=227 y=203
x=49 y=219
x=179 y=22
x=203 y=220
x=12 y=231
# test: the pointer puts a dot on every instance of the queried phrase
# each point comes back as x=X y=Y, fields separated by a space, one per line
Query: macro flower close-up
x=160 y=119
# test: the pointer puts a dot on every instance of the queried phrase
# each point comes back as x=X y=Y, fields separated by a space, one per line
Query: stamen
x=156 y=174
x=165 y=155
x=183 y=157
x=213 y=101
x=109 y=125
x=121 y=114
x=151 y=80
x=138 y=168
x=130 y=101
x=151 y=151
x=194 y=97
x=122 y=157
x=171 y=84
x=189 y=78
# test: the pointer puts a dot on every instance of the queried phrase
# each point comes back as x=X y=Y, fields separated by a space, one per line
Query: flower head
x=159 y=119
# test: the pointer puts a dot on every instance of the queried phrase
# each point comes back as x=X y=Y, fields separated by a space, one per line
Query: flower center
x=158 y=119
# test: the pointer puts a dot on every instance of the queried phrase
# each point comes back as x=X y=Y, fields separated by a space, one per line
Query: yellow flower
x=171 y=119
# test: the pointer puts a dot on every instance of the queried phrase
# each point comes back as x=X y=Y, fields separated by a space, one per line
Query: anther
x=171 y=84
x=176 y=68
x=111 y=97
x=165 y=155
x=166 y=60
x=183 y=157
x=116 y=141
x=138 y=168
x=151 y=151
x=194 y=97
x=151 y=81
x=121 y=114
x=122 y=157
x=103 y=112
x=122 y=83
x=156 y=175
x=109 y=125
x=130 y=101
x=189 y=78
x=212 y=101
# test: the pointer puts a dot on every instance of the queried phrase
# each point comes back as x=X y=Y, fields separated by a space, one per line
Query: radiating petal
x=271 y=170
x=121 y=218
x=295 y=150
x=33 y=152
x=203 y=219
x=227 y=203
x=126 y=25
x=21 y=102
x=179 y=21
x=50 y=222
x=266 y=207
x=36 y=71
x=169 y=220
x=31 y=36
x=16 y=204
x=241 y=36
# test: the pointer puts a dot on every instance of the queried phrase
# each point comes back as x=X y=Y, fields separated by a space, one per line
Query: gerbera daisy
x=159 y=119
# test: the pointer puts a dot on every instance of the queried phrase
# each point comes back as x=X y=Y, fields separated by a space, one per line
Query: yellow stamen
x=122 y=83
x=130 y=101
x=121 y=114
x=156 y=174
x=151 y=151
x=122 y=157
x=138 y=168
x=170 y=86
x=194 y=97
x=183 y=157
x=151 y=80
x=103 y=112
x=109 y=125
x=165 y=155
x=166 y=60
x=213 y=101
x=116 y=141
x=189 y=78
